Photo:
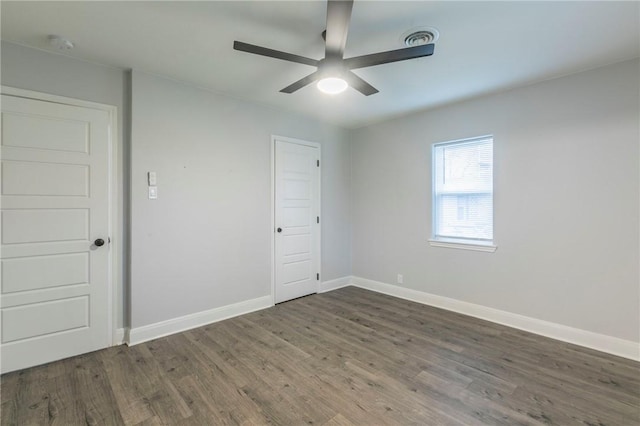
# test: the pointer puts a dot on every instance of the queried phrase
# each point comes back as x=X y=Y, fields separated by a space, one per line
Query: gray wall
x=205 y=242
x=45 y=72
x=566 y=202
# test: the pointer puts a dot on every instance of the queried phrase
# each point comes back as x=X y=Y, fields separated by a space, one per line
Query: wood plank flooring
x=349 y=357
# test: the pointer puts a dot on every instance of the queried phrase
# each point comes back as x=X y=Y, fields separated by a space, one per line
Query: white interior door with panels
x=296 y=218
x=55 y=208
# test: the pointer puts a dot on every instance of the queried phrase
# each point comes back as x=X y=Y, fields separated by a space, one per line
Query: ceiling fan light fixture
x=332 y=85
x=334 y=67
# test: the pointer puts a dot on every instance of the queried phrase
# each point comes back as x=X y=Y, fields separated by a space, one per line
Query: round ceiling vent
x=418 y=37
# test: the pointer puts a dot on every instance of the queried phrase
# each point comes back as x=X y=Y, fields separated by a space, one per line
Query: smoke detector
x=420 y=36
x=60 y=43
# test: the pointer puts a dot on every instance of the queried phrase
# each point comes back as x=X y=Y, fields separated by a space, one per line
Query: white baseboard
x=187 y=322
x=334 y=284
x=601 y=342
x=119 y=337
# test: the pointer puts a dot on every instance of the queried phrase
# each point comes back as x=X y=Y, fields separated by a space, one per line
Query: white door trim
x=115 y=216
x=316 y=145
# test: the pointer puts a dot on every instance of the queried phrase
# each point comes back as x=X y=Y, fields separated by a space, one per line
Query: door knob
x=99 y=242
x=279 y=230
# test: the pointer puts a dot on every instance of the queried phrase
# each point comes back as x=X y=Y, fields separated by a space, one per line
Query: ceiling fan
x=334 y=72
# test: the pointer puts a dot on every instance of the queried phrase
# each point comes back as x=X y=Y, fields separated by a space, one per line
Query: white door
x=55 y=207
x=297 y=219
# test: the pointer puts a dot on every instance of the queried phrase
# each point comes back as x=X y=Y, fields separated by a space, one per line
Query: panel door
x=297 y=212
x=54 y=206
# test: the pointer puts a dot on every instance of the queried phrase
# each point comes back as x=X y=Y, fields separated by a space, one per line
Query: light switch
x=152 y=178
x=153 y=192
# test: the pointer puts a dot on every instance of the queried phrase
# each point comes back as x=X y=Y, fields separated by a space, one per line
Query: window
x=463 y=194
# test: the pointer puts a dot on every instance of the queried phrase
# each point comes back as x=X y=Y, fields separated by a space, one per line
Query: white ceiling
x=483 y=47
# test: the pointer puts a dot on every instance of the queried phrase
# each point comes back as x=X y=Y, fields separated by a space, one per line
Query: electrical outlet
x=400 y=279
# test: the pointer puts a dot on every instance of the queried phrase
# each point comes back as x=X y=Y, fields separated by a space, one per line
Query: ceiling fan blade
x=258 y=50
x=389 y=56
x=338 y=17
x=359 y=84
x=301 y=83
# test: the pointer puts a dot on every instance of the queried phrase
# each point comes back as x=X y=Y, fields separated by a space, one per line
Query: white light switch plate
x=152 y=178
x=153 y=192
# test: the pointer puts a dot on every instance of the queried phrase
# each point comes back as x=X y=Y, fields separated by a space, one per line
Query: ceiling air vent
x=420 y=37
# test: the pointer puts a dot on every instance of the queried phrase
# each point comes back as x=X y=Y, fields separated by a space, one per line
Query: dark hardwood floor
x=349 y=357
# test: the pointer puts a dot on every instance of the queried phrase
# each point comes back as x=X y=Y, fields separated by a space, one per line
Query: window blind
x=463 y=190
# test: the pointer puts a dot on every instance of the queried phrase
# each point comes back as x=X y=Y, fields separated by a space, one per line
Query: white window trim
x=455 y=243
x=462 y=245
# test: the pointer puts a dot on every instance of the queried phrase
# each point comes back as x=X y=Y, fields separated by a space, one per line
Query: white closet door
x=55 y=215
x=297 y=212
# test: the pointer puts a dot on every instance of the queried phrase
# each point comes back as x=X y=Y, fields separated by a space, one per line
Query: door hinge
x=318 y=163
x=317 y=219
x=318 y=277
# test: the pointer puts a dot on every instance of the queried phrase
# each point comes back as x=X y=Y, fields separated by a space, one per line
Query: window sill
x=490 y=248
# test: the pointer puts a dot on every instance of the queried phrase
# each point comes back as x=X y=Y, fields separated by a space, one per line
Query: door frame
x=115 y=335
x=316 y=145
